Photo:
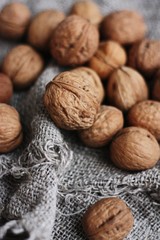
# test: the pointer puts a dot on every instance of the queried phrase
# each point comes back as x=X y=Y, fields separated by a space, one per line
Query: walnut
x=23 y=65
x=134 y=148
x=42 y=26
x=109 y=120
x=125 y=88
x=156 y=87
x=109 y=56
x=6 y=88
x=125 y=27
x=146 y=114
x=71 y=101
x=145 y=56
x=108 y=219
x=10 y=128
x=14 y=19
x=93 y=78
x=74 y=41
x=88 y=10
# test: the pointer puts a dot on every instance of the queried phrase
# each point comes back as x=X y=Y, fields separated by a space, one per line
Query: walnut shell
x=71 y=101
x=94 y=79
x=134 y=148
x=74 y=41
x=6 y=88
x=42 y=26
x=108 y=219
x=145 y=56
x=14 y=19
x=108 y=57
x=125 y=88
x=23 y=65
x=10 y=128
x=109 y=120
x=146 y=114
x=156 y=87
x=125 y=27
x=88 y=10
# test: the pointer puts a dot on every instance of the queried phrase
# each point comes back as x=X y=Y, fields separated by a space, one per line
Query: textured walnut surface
x=74 y=41
x=134 y=148
x=156 y=87
x=6 y=88
x=146 y=114
x=125 y=88
x=42 y=26
x=23 y=65
x=70 y=101
x=109 y=120
x=125 y=27
x=10 y=128
x=108 y=219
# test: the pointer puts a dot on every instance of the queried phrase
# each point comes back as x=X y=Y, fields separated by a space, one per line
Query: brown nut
x=145 y=56
x=71 y=101
x=14 y=19
x=74 y=41
x=88 y=10
x=108 y=219
x=23 y=65
x=42 y=26
x=146 y=114
x=156 y=87
x=6 y=88
x=109 y=120
x=93 y=78
x=125 y=27
x=134 y=149
x=109 y=56
x=125 y=88
x=10 y=128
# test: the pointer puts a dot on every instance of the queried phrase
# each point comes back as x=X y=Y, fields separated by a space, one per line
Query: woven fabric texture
x=47 y=184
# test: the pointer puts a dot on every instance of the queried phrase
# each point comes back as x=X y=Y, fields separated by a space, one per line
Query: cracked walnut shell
x=74 y=41
x=108 y=219
x=134 y=149
x=109 y=120
x=125 y=88
x=10 y=128
x=146 y=114
x=14 y=19
x=71 y=101
x=124 y=27
x=6 y=88
x=109 y=56
x=23 y=65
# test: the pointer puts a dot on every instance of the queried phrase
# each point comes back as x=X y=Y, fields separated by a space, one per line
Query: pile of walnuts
x=104 y=96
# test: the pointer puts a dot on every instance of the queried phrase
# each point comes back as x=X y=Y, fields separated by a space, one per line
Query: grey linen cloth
x=47 y=184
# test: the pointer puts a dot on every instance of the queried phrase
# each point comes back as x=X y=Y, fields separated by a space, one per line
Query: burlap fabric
x=47 y=184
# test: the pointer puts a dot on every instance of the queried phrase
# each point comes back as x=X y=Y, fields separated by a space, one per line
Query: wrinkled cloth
x=49 y=181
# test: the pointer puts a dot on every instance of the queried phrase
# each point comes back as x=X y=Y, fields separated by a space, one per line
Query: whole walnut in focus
x=6 y=88
x=125 y=27
x=74 y=41
x=14 y=20
x=156 y=87
x=94 y=80
x=109 y=56
x=42 y=26
x=134 y=148
x=23 y=65
x=88 y=10
x=146 y=114
x=125 y=88
x=145 y=56
x=108 y=219
x=109 y=120
x=71 y=101
x=10 y=128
